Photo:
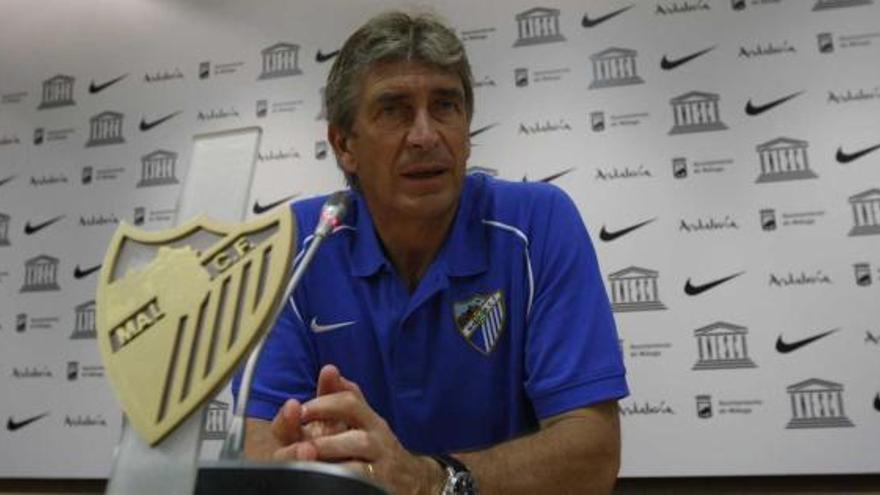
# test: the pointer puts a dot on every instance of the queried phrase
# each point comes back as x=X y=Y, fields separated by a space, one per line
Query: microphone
x=332 y=213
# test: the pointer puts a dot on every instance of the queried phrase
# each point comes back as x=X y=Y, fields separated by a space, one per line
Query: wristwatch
x=458 y=477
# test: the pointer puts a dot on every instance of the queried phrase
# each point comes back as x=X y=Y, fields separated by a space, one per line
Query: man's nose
x=423 y=132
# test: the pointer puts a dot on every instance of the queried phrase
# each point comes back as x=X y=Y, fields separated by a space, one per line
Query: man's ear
x=339 y=140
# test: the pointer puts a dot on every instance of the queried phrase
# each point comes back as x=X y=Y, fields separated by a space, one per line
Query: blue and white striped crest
x=481 y=320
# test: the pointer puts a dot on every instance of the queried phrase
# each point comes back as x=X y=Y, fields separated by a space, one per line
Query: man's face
x=409 y=143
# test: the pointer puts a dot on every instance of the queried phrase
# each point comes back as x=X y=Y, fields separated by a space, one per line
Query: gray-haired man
x=455 y=332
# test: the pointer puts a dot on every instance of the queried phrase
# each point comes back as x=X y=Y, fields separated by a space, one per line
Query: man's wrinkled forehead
x=387 y=81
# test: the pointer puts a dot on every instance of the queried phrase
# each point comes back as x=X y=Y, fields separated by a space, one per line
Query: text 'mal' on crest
x=177 y=310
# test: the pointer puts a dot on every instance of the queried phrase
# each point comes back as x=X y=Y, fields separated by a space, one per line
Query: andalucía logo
x=84 y=421
x=98 y=220
x=646 y=408
x=217 y=114
x=7 y=140
x=801 y=279
x=543 y=127
x=163 y=75
x=280 y=60
x=31 y=372
x=681 y=7
x=57 y=92
x=708 y=224
x=853 y=95
x=766 y=49
x=537 y=26
x=591 y=22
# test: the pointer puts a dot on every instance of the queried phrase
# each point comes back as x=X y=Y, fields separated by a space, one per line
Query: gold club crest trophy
x=177 y=311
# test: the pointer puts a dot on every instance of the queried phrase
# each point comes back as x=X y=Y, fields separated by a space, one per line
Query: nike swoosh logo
x=482 y=129
x=326 y=328
x=758 y=110
x=608 y=235
x=79 y=273
x=695 y=290
x=7 y=179
x=13 y=425
x=97 y=88
x=877 y=403
x=591 y=23
x=849 y=157
x=786 y=347
x=146 y=126
x=323 y=57
x=260 y=209
x=33 y=229
x=550 y=178
x=667 y=64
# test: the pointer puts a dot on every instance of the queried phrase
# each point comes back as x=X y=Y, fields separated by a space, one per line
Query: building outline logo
x=635 y=289
x=280 y=60
x=755 y=110
x=667 y=64
x=57 y=92
x=537 y=26
x=614 y=67
x=866 y=212
x=588 y=23
x=105 y=128
x=84 y=321
x=4 y=229
x=783 y=159
x=722 y=346
x=215 y=424
x=844 y=158
x=97 y=88
x=40 y=274
x=817 y=403
x=696 y=111
x=610 y=235
x=783 y=347
x=695 y=290
x=158 y=168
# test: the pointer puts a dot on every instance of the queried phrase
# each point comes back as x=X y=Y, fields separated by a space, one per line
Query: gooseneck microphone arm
x=332 y=213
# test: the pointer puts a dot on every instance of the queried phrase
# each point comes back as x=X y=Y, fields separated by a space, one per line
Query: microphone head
x=333 y=211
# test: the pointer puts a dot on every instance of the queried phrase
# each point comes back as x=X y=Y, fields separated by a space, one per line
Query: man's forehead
x=402 y=77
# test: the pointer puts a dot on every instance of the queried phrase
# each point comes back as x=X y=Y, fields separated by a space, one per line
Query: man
x=455 y=316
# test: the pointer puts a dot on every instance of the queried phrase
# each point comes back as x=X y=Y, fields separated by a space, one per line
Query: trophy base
x=255 y=478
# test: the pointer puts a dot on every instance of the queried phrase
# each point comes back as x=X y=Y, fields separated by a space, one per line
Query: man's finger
x=351 y=444
x=299 y=451
x=286 y=424
x=329 y=380
x=347 y=407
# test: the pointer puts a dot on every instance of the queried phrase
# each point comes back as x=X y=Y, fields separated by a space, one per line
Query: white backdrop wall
x=661 y=118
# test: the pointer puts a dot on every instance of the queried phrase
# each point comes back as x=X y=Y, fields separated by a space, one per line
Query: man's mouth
x=424 y=172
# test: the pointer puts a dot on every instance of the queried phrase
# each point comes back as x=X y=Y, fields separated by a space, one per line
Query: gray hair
x=392 y=36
